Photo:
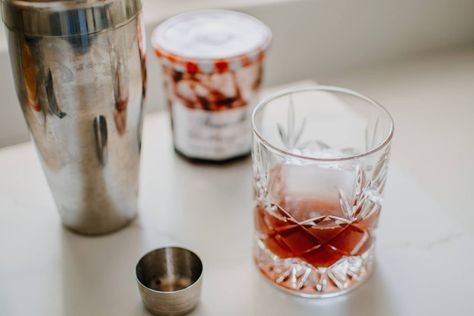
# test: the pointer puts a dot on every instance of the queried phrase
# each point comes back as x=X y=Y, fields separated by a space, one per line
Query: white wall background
x=312 y=39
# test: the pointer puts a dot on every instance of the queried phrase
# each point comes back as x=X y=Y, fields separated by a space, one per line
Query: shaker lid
x=67 y=17
x=211 y=34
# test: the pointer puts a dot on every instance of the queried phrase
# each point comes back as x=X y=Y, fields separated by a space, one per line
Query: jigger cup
x=169 y=280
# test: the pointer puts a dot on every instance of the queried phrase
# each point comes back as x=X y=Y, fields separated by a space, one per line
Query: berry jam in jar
x=212 y=62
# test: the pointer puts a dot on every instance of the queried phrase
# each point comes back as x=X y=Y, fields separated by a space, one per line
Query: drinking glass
x=320 y=158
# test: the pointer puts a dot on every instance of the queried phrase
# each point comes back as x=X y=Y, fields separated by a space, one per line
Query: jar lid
x=65 y=18
x=206 y=38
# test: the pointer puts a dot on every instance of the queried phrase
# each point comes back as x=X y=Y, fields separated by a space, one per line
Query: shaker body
x=82 y=97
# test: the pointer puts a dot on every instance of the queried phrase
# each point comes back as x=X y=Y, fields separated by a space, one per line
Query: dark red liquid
x=314 y=231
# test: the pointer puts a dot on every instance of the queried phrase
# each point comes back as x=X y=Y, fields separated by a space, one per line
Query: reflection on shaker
x=29 y=76
x=100 y=132
x=121 y=101
x=141 y=40
x=52 y=100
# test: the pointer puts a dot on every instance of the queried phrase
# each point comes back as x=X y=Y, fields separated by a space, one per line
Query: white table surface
x=424 y=264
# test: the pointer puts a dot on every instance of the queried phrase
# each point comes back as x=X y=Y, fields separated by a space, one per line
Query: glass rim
x=289 y=91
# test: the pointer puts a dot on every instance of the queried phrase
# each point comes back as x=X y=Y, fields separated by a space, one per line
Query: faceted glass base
x=297 y=277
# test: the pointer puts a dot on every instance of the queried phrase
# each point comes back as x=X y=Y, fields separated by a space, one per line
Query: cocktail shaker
x=79 y=71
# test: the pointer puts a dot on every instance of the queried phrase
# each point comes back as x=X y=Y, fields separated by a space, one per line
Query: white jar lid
x=210 y=35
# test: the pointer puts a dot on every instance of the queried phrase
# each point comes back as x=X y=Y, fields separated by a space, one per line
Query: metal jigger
x=169 y=280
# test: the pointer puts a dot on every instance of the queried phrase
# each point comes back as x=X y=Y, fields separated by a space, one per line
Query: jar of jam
x=212 y=62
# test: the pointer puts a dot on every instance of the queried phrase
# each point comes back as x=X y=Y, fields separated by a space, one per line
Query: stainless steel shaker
x=79 y=71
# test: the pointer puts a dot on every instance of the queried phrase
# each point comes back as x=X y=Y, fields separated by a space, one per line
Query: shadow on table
x=98 y=273
x=370 y=299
